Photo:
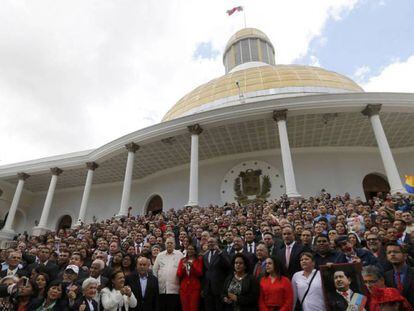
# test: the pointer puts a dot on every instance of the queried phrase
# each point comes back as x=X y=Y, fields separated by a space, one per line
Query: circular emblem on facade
x=251 y=181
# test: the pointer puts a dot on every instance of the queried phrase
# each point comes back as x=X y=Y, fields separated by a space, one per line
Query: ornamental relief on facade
x=251 y=182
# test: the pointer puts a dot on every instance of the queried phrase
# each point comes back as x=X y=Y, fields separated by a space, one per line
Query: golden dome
x=283 y=79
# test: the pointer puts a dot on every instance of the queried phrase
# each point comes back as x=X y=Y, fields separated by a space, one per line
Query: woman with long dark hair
x=42 y=280
x=190 y=271
x=275 y=289
x=241 y=289
x=116 y=264
x=116 y=296
x=53 y=300
x=26 y=296
x=128 y=264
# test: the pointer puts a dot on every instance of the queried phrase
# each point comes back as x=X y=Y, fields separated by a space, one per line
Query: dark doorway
x=155 y=205
x=65 y=222
x=375 y=185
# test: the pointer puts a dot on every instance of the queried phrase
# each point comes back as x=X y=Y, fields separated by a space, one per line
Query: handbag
x=298 y=306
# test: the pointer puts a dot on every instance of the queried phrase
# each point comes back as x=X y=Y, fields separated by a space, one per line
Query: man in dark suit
x=289 y=254
x=96 y=271
x=238 y=247
x=43 y=261
x=262 y=254
x=13 y=261
x=216 y=266
x=87 y=301
x=339 y=299
x=375 y=246
x=269 y=241
x=401 y=276
x=250 y=243
x=144 y=285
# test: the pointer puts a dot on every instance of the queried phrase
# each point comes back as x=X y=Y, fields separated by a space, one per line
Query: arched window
x=155 y=205
x=65 y=222
x=373 y=184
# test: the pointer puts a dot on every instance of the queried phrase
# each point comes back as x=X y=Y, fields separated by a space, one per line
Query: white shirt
x=113 y=300
x=12 y=272
x=165 y=269
x=314 y=299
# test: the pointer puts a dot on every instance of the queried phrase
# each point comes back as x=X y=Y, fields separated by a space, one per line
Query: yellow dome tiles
x=261 y=78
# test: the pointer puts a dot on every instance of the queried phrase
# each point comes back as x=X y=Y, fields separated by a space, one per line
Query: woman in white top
x=116 y=296
x=307 y=286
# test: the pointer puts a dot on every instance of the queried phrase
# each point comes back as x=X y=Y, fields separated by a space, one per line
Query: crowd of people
x=263 y=256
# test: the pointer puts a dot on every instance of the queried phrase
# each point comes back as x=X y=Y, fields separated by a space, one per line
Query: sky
x=77 y=74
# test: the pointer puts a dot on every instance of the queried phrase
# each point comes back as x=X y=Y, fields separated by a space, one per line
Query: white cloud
x=361 y=73
x=396 y=77
x=314 y=61
x=77 y=74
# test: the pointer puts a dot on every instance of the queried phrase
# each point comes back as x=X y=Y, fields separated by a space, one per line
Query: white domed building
x=259 y=131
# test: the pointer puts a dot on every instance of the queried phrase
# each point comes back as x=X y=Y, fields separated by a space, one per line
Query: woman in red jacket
x=190 y=270
x=276 y=291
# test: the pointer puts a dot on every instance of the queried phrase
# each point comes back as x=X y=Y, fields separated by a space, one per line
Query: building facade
x=257 y=132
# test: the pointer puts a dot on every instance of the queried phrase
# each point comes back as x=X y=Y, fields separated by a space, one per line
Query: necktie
x=345 y=295
x=287 y=255
x=210 y=256
x=250 y=248
x=399 y=283
x=228 y=249
x=259 y=269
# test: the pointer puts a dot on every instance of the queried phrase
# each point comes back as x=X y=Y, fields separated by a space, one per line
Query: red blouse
x=276 y=294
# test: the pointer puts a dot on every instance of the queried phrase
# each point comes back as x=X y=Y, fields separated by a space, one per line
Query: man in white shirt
x=165 y=269
x=13 y=265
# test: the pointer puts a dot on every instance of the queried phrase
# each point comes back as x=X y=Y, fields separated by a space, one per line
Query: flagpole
x=244 y=14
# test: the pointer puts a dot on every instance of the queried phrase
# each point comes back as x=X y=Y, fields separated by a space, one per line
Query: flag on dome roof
x=235 y=9
x=409 y=183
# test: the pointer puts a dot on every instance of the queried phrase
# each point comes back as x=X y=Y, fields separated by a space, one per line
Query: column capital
x=279 y=115
x=56 y=171
x=92 y=165
x=195 y=129
x=22 y=176
x=132 y=147
x=371 y=110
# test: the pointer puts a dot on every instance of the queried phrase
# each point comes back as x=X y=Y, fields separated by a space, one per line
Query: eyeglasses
x=370 y=282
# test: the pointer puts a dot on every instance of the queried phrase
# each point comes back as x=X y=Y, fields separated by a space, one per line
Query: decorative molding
x=132 y=147
x=279 y=115
x=92 y=165
x=195 y=129
x=371 y=110
x=22 y=176
x=258 y=106
x=56 y=171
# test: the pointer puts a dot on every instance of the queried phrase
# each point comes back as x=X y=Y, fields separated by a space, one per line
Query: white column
x=8 y=231
x=126 y=191
x=43 y=227
x=290 y=184
x=195 y=130
x=91 y=166
x=372 y=112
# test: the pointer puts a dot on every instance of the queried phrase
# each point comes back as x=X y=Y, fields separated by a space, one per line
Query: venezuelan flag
x=409 y=183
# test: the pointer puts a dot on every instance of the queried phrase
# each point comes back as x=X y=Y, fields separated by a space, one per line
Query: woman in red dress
x=190 y=270
x=276 y=291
